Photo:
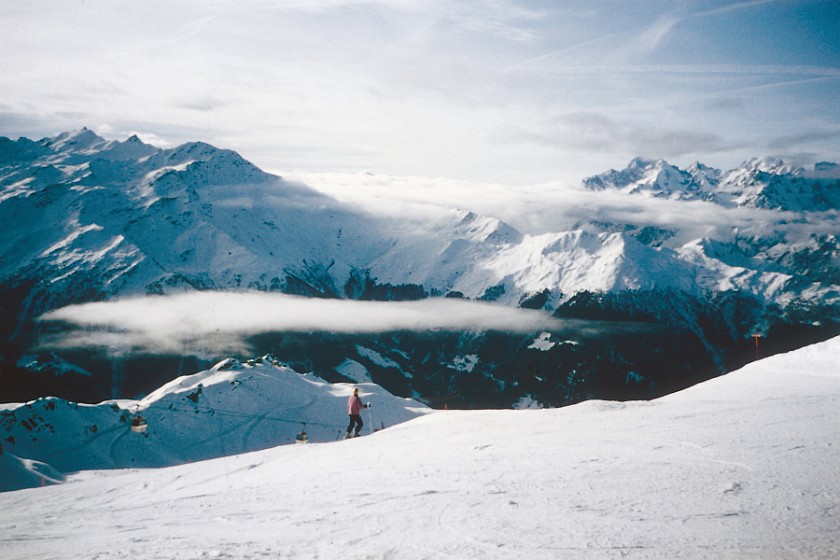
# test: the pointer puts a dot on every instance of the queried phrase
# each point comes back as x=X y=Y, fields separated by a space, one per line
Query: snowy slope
x=742 y=467
x=188 y=217
x=229 y=409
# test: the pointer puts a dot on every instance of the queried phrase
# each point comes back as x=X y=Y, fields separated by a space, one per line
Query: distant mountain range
x=88 y=219
x=758 y=183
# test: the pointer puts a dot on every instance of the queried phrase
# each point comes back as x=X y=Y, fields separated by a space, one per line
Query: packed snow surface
x=743 y=466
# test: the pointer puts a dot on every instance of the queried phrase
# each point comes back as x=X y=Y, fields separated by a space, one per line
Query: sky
x=500 y=91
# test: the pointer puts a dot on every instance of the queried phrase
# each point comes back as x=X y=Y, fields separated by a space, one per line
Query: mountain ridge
x=767 y=183
x=166 y=175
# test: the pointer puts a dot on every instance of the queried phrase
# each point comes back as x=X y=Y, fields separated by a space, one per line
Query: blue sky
x=486 y=90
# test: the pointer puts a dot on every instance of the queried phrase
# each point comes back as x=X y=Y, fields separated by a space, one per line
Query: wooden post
x=756 y=337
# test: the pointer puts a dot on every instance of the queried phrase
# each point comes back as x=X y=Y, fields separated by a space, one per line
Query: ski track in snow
x=741 y=467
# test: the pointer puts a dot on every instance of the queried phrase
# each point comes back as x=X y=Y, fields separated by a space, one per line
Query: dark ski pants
x=355 y=420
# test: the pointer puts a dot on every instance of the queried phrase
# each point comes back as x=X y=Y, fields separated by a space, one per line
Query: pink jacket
x=354 y=405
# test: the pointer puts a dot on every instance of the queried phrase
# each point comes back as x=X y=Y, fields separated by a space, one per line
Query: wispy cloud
x=794 y=141
x=736 y=6
x=593 y=131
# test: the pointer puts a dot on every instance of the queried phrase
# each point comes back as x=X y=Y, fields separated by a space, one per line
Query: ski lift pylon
x=138 y=423
x=302 y=437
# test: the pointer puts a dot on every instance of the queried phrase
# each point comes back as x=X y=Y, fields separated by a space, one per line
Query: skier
x=354 y=409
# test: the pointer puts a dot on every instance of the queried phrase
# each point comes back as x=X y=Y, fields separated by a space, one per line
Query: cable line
x=238 y=414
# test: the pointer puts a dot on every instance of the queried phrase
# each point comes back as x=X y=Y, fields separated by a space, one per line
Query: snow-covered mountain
x=231 y=408
x=758 y=183
x=659 y=179
x=144 y=219
x=743 y=466
x=87 y=219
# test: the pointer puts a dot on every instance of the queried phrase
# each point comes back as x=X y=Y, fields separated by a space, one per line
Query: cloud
x=592 y=131
x=733 y=7
x=649 y=39
x=34 y=126
x=531 y=209
x=204 y=104
x=152 y=138
x=726 y=105
x=793 y=141
x=217 y=321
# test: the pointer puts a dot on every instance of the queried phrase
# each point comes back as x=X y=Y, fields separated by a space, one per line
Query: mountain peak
x=656 y=178
x=771 y=165
x=75 y=140
x=483 y=228
x=132 y=149
x=642 y=163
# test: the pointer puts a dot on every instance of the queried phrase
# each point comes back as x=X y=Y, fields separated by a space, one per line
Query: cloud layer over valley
x=217 y=321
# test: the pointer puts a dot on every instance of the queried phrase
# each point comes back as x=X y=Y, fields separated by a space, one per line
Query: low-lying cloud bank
x=216 y=321
x=543 y=208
